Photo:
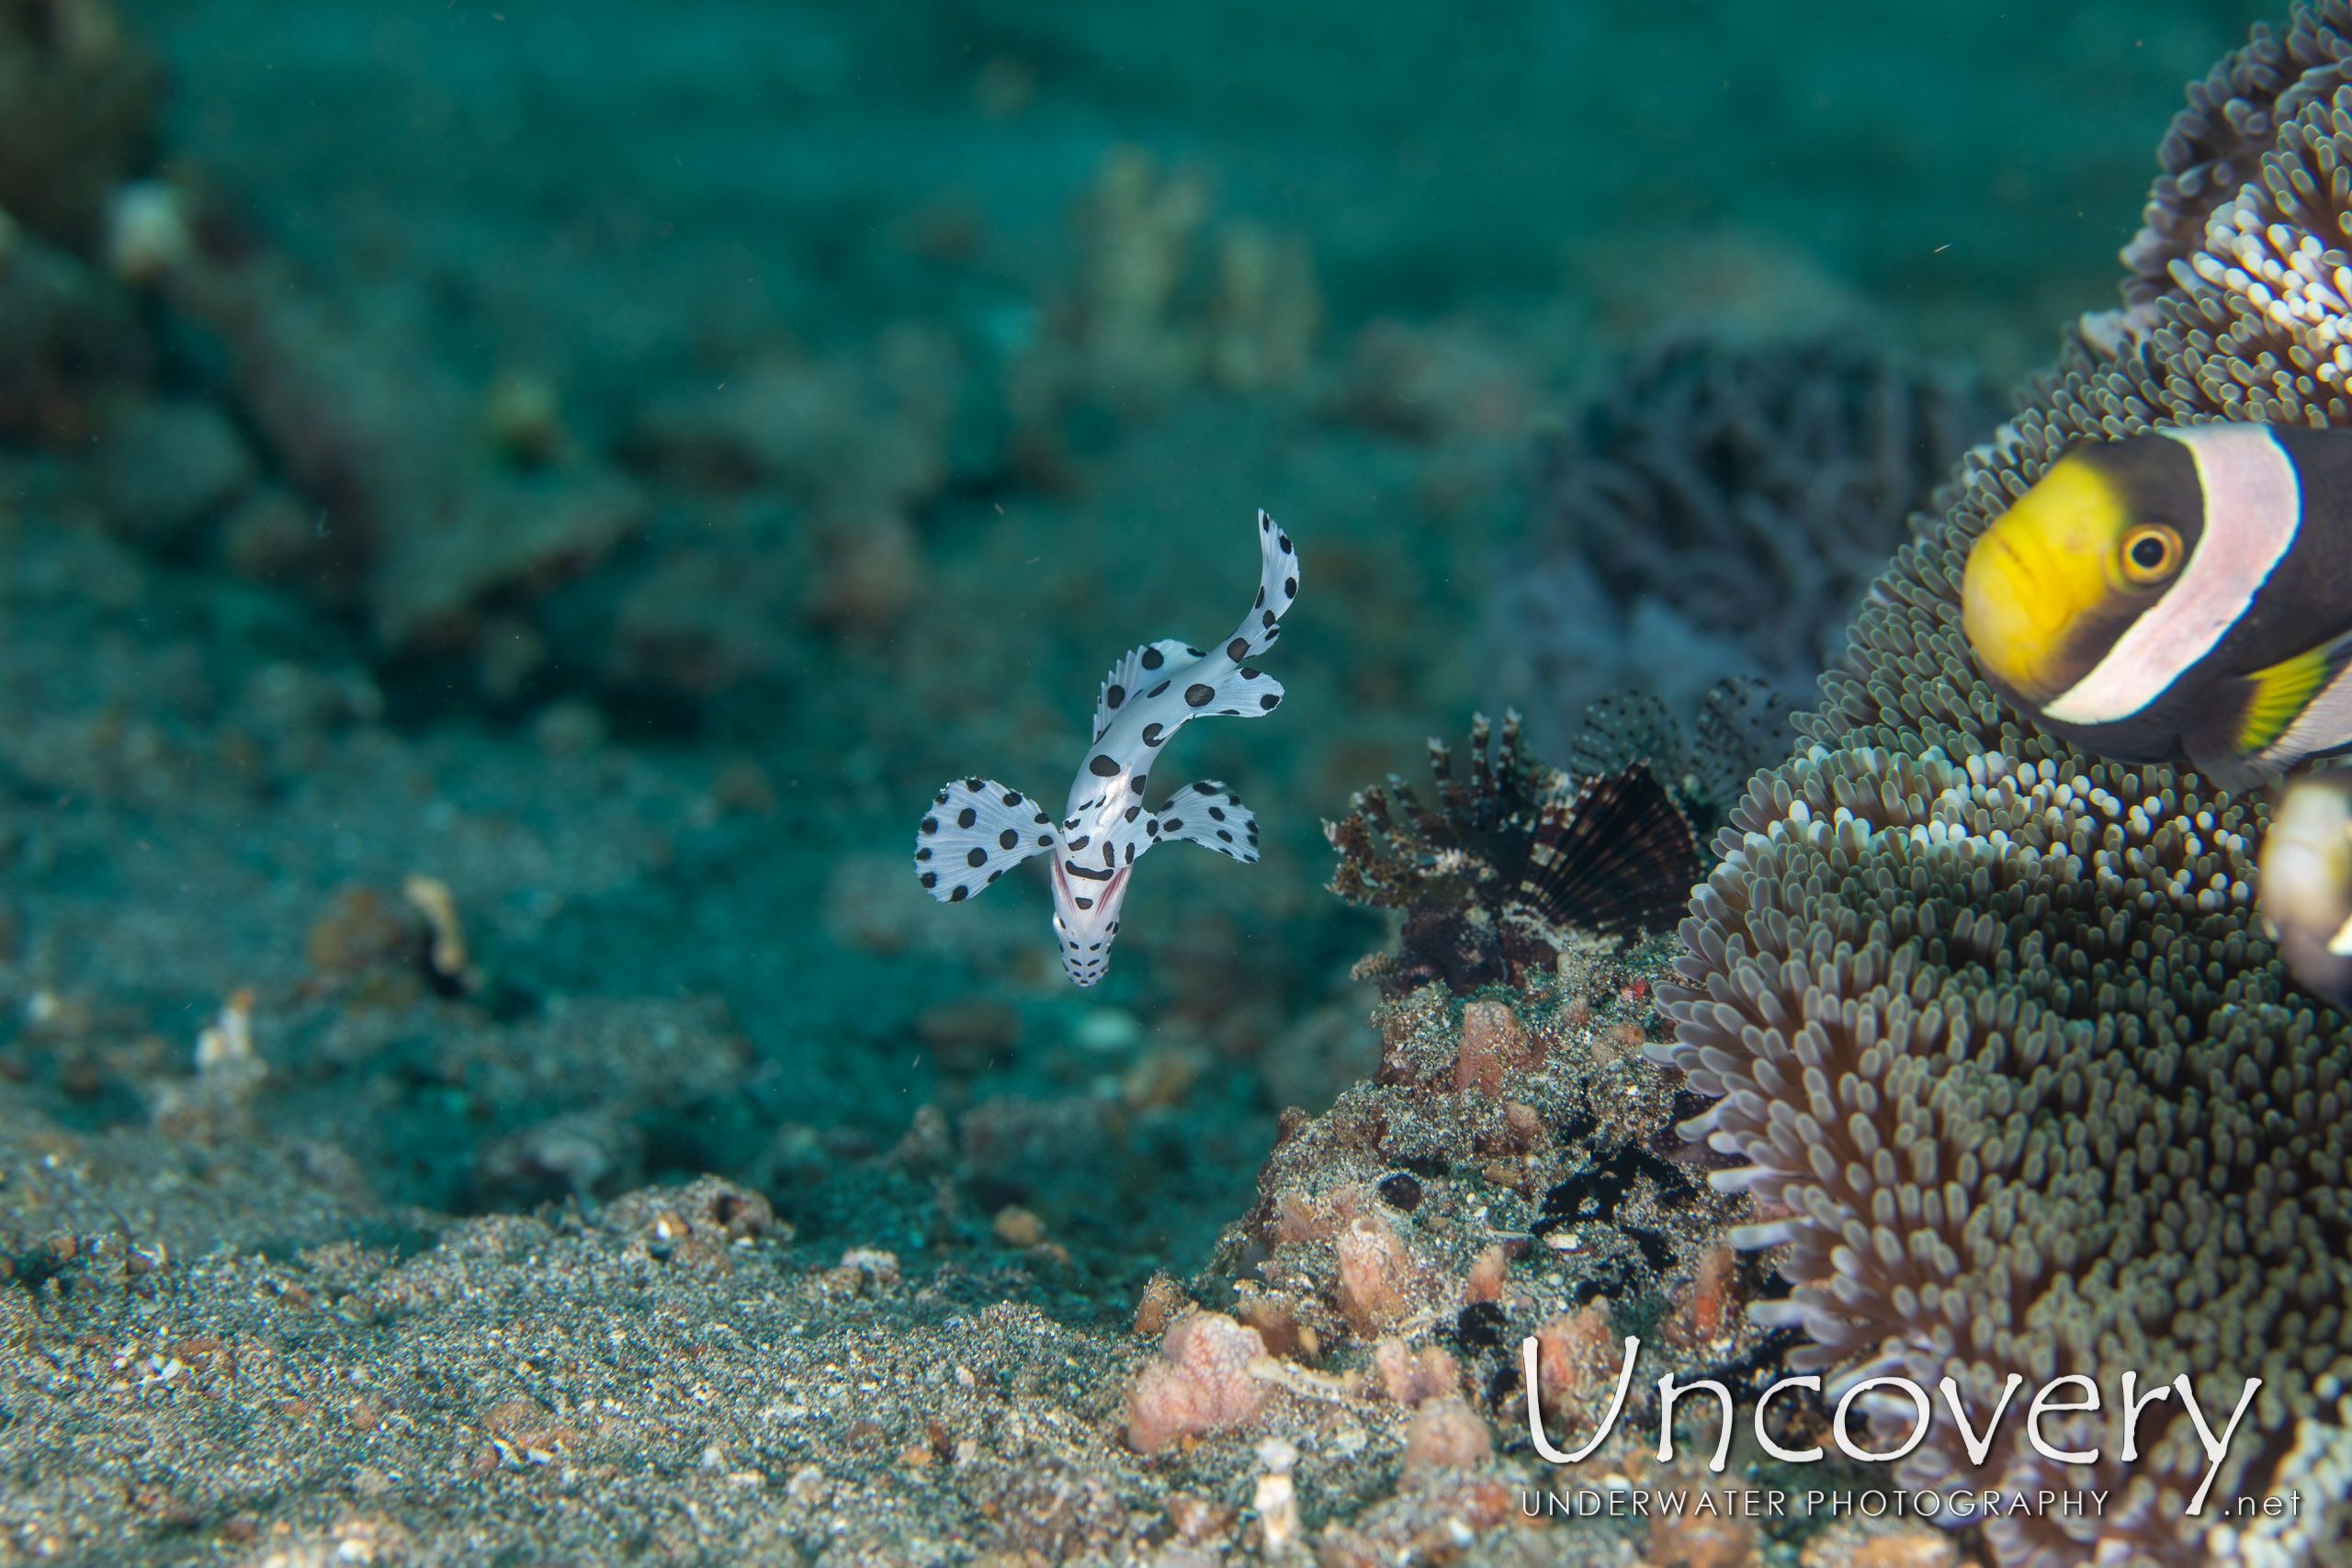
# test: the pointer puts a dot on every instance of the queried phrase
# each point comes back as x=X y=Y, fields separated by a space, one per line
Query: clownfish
x=978 y=830
x=2185 y=594
x=2306 y=897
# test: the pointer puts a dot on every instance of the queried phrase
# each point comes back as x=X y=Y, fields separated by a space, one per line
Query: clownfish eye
x=2151 y=552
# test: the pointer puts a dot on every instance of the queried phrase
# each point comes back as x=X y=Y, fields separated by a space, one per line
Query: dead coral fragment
x=79 y=97
x=1201 y=1383
x=1495 y=879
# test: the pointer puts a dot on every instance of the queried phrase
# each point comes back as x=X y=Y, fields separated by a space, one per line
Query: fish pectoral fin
x=1213 y=817
x=2275 y=696
x=2227 y=767
x=976 y=831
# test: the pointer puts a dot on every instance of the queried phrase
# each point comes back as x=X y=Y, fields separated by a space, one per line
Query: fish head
x=1086 y=914
x=2053 y=582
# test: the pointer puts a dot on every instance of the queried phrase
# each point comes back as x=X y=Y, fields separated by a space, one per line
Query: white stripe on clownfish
x=2253 y=508
x=978 y=830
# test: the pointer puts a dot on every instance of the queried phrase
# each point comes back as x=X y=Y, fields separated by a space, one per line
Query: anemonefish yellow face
x=2071 y=560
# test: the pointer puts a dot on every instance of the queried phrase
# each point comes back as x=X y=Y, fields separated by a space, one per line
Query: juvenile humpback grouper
x=978 y=830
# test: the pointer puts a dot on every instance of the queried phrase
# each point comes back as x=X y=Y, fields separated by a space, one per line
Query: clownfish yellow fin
x=2277 y=695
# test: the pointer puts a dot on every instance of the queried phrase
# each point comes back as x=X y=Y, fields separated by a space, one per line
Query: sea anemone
x=1994 y=1024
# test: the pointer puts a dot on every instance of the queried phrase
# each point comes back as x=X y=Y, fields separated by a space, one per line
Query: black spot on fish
x=930 y=824
x=1110 y=854
x=1194 y=651
x=1044 y=840
x=977 y=857
x=1248 y=673
x=976 y=784
x=930 y=879
x=922 y=854
x=1007 y=838
x=1114 y=695
x=1080 y=842
x=1153 y=734
x=1133 y=812
x=1216 y=811
x=1225 y=836
x=1155 y=690
x=1101 y=767
x=1262 y=600
x=1152 y=826
x=1268 y=701
x=1237 y=649
x=966 y=816
x=959 y=894
x=1152 y=659
x=1171 y=823
x=994 y=874
x=1283 y=539
x=941 y=798
x=1083 y=903
x=1041 y=817
x=1290 y=587
x=1131 y=854
x=1013 y=797
x=1137 y=783
x=1266 y=618
x=1197 y=695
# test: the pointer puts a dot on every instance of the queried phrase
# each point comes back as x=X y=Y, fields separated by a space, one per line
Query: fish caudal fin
x=976 y=830
x=1277 y=586
x=1211 y=816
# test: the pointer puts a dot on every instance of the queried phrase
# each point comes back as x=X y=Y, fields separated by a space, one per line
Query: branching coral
x=1510 y=863
x=1719 y=512
x=1994 y=1024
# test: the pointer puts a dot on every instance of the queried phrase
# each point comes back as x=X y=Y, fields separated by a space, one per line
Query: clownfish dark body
x=2185 y=594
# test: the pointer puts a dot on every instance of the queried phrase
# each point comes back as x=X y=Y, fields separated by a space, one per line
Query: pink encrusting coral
x=1200 y=1384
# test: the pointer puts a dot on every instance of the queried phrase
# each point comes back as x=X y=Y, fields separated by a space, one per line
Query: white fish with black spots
x=978 y=830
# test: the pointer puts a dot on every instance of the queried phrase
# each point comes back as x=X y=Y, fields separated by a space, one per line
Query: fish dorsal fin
x=1277 y=586
x=1132 y=674
x=1213 y=817
x=976 y=830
